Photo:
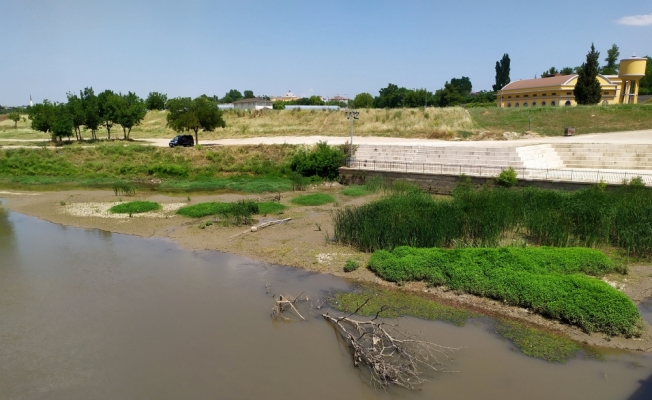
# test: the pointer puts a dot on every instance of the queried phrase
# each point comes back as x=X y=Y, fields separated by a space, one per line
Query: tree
x=91 y=108
x=231 y=96
x=390 y=97
x=108 y=105
x=588 y=89
x=76 y=112
x=612 y=61
x=14 y=116
x=551 y=72
x=131 y=111
x=463 y=85
x=363 y=100
x=186 y=114
x=249 y=94
x=449 y=96
x=502 y=73
x=315 y=101
x=52 y=118
x=43 y=116
x=645 y=85
x=63 y=123
x=566 y=71
x=156 y=101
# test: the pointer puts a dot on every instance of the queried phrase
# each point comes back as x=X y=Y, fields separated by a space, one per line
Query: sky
x=193 y=47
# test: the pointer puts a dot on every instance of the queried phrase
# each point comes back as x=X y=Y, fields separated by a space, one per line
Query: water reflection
x=95 y=315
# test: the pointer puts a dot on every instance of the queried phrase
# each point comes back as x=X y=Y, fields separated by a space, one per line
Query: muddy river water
x=86 y=314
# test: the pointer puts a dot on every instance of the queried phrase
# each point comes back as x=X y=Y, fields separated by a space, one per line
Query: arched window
x=534 y=103
x=567 y=103
x=516 y=105
x=605 y=102
x=552 y=103
x=509 y=105
x=525 y=104
x=543 y=103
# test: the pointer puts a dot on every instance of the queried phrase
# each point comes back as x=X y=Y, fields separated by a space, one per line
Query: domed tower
x=631 y=71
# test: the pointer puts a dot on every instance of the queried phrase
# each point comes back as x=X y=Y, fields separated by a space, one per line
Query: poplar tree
x=612 y=59
x=502 y=73
x=588 y=89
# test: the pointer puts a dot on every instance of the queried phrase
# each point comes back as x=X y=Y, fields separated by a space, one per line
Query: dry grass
x=408 y=123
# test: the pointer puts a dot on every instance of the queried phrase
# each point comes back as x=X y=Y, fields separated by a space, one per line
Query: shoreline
x=303 y=243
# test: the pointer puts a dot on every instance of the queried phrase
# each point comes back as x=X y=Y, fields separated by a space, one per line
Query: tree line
x=108 y=109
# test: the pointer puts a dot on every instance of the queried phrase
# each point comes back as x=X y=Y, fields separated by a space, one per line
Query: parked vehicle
x=182 y=140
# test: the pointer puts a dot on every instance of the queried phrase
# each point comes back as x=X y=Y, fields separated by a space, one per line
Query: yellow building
x=558 y=90
x=289 y=96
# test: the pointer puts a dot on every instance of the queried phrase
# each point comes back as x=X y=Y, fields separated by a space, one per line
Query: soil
x=303 y=242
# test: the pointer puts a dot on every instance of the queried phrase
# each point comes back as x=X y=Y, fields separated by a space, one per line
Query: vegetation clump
x=490 y=216
x=135 y=207
x=323 y=161
x=351 y=265
x=550 y=282
x=200 y=210
x=507 y=177
x=316 y=199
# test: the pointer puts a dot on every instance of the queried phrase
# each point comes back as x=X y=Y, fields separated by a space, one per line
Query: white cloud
x=638 y=20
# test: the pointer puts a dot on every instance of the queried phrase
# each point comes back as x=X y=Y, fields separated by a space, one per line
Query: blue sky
x=191 y=47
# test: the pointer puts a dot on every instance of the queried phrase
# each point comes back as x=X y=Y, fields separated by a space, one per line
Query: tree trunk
x=196 y=137
x=124 y=133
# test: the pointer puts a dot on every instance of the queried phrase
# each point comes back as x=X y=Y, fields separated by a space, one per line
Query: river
x=87 y=314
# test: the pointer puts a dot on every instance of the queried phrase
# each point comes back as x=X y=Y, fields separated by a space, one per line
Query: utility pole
x=351 y=115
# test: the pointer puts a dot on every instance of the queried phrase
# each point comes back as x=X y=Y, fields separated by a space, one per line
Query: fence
x=571 y=175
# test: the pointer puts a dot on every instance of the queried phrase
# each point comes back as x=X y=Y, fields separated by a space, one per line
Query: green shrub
x=522 y=277
x=135 y=207
x=316 y=199
x=323 y=161
x=507 y=177
x=351 y=265
x=355 y=191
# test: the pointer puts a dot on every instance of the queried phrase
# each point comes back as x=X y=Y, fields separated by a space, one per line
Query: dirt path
x=303 y=242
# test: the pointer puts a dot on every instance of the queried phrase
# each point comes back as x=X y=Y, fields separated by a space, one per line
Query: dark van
x=182 y=140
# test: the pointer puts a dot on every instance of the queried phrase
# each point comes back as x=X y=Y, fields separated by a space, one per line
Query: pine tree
x=588 y=89
x=502 y=73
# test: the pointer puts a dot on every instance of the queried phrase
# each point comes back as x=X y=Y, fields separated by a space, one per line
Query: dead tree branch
x=392 y=355
x=286 y=304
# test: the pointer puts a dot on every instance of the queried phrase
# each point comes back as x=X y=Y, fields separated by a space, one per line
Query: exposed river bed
x=88 y=314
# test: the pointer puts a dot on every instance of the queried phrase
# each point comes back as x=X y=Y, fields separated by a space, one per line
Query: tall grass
x=491 y=216
x=548 y=281
x=135 y=207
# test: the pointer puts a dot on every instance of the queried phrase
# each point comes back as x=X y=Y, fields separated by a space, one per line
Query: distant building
x=289 y=96
x=253 y=104
x=339 y=99
x=558 y=90
x=30 y=100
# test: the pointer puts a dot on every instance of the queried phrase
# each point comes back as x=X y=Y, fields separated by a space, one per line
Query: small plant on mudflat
x=135 y=207
x=316 y=199
x=351 y=265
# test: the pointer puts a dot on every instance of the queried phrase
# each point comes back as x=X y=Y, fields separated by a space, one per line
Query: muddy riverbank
x=303 y=242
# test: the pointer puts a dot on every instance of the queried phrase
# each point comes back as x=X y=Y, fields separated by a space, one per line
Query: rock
x=254 y=229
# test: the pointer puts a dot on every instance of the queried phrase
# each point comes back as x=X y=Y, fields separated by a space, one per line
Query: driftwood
x=285 y=304
x=391 y=355
x=260 y=226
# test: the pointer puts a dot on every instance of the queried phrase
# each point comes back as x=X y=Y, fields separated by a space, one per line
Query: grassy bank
x=241 y=168
x=432 y=122
x=551 y=121
x=547 y=281
x=532 y=342
x=496 y=216
x=217 y=208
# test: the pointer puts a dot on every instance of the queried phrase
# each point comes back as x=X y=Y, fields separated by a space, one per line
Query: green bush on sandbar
x=548 y=281
x=135 y=207
x=316 y=199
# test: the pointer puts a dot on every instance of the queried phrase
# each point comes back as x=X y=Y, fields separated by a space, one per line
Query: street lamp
x=351 y=115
